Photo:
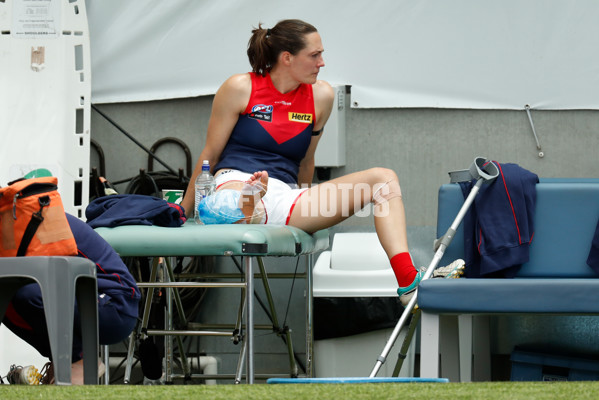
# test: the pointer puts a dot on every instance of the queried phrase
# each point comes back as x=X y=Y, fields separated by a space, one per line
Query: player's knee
x=387 y=186
x=381 y=175
x=386 y=191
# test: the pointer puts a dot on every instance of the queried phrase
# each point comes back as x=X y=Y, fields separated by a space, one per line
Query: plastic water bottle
x=204 y=186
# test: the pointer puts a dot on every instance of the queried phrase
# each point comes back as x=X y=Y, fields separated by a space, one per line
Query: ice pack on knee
x=222 y=207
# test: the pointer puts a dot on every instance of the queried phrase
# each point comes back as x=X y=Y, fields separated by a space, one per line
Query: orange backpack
x=33 y=220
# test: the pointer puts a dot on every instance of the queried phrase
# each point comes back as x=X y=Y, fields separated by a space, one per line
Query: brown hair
x=265 y=45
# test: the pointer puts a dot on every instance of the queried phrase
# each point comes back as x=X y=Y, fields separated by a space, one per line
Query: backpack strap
x=34 y=223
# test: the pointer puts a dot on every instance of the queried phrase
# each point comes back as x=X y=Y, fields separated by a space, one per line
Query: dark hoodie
x=499 y=226
x=114 y=279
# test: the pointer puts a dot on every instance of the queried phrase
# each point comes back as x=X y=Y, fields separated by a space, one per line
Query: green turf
x=403 y=391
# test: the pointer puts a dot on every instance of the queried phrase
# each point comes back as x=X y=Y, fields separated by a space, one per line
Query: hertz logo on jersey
x=299 y=117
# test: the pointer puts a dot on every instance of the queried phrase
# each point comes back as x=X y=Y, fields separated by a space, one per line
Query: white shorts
x=278 y=202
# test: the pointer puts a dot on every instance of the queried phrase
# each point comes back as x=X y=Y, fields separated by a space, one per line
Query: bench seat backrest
x=566 y=216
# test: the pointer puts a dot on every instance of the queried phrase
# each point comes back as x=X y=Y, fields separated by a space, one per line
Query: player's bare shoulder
x=323 y=91
x=324 y=95
x=238 y=83
x=236 y=90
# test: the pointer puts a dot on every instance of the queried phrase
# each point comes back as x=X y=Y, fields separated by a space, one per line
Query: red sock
x=403 y=268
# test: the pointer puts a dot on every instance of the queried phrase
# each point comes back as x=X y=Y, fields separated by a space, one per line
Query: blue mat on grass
x=356 y=380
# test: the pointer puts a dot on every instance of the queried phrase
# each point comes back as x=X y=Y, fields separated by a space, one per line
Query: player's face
x=307 y=62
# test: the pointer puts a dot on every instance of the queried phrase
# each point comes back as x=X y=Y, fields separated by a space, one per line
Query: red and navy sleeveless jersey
x=273 y=133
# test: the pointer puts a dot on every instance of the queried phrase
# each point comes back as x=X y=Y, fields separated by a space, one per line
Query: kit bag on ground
x=33 y=220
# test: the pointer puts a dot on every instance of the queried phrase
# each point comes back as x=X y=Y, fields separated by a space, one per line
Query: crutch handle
x=480 y=169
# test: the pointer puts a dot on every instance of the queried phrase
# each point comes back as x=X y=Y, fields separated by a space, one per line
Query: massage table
x=250 y=241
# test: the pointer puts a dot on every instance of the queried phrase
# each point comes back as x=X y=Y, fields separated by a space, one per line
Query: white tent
x=489 y=54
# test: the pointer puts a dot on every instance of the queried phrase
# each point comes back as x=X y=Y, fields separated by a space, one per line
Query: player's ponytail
x=265 y=45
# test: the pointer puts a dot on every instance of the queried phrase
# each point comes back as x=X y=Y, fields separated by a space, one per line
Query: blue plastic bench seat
x=565 y=221
x=510 y=296
x=555 y=280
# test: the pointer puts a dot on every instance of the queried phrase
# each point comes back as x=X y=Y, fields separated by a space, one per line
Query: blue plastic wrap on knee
x=222 y=207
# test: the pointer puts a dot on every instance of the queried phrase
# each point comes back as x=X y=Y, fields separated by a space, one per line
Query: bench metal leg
x=481 y=348
x=474 y=347
x=429 y=345
x=465 y=344
x=439 y=340
x=449 y=350
x=106 y=359
x=440 y=336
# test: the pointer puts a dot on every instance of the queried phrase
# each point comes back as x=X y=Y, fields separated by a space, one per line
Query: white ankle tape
x=386 y=192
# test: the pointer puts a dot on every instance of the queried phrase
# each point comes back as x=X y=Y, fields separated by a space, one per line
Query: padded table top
x=203 y=240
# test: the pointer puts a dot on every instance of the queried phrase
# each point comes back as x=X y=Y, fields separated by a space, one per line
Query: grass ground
x=403 y=391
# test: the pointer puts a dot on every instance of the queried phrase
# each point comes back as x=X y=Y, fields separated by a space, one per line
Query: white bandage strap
x=387 y=191
x=250 y=190
x=255 y=190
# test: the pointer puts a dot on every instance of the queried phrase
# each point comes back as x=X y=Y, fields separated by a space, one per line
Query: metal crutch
x=482 y=171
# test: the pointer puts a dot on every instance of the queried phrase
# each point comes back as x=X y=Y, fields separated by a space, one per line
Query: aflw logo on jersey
x=299 y=117
x=261 y=112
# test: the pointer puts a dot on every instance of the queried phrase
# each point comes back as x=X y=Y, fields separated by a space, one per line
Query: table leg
x=309 y=317
x=249 y=315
